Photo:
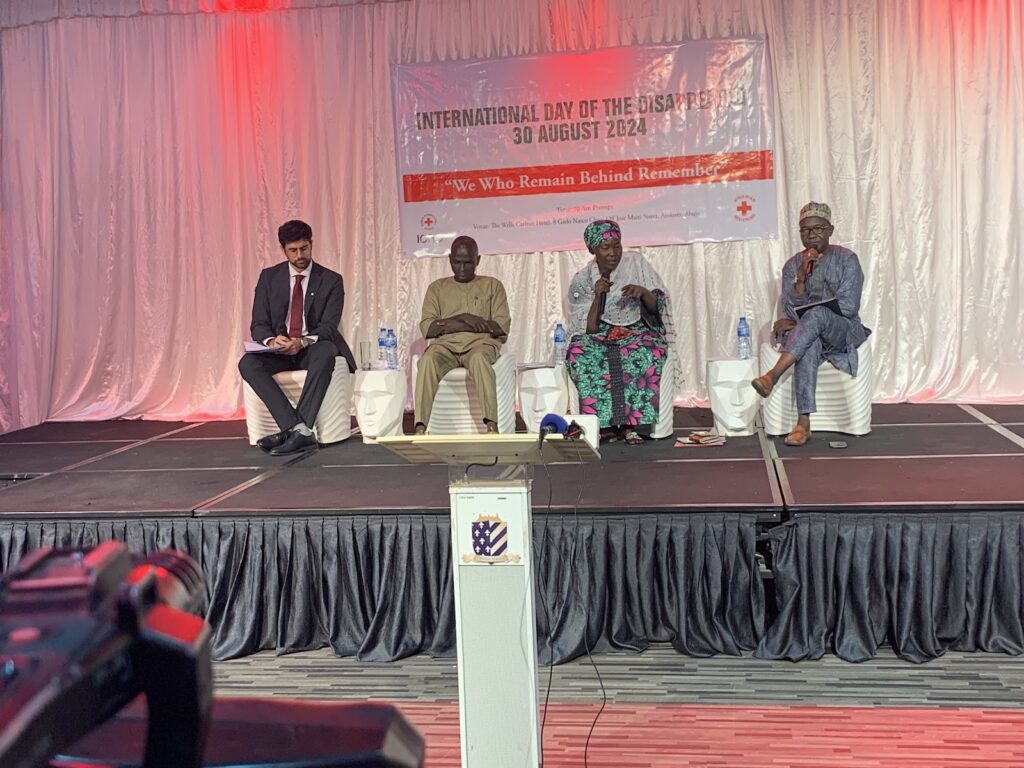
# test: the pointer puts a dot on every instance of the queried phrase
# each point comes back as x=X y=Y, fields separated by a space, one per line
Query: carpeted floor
x=664 y=709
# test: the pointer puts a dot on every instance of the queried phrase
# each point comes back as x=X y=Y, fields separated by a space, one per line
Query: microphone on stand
x=550 y=425
x=604 y=296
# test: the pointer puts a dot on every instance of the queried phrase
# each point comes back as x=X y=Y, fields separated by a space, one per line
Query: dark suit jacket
x=325 y=298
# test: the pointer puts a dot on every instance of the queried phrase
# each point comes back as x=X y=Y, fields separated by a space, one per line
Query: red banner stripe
x=583 y=177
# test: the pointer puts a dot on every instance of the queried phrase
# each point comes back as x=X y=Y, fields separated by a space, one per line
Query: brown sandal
x=799 y=436
x=763 y=385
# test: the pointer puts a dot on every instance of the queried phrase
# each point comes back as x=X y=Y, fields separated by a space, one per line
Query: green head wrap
x=600 y=230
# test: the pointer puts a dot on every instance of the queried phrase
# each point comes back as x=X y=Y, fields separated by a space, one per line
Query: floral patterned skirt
x=618 y=374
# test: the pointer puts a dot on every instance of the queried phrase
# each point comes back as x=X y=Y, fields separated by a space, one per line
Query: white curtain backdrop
x=149 y=151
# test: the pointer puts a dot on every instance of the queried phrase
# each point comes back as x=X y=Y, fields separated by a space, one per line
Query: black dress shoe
x=270 y=442
x=295 y=443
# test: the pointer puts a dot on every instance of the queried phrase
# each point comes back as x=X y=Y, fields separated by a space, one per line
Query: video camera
x=84 y=632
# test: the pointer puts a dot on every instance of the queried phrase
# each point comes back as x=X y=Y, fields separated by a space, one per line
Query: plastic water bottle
x=561 y=344
x=743 y=339
x=382 y=348
x=392 y=342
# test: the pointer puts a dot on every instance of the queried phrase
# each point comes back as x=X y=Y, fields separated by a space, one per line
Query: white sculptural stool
x=843 y=401
x=333 y=422
x=542 y=391
x=733 y=401
x=379 y=399
x=456 y=408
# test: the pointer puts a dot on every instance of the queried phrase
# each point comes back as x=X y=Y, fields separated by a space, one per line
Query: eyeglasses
x=816 y=230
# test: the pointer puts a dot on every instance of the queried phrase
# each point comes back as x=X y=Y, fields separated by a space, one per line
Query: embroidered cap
x=821 y=210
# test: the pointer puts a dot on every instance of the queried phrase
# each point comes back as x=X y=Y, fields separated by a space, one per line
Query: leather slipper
x=799 y=436
x=763 y=385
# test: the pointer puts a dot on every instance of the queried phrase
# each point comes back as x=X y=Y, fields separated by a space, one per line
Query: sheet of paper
x=254 y=347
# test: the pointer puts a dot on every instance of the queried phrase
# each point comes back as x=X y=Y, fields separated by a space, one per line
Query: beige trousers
x=439 y=360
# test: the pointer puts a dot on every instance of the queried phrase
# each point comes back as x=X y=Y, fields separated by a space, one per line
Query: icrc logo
x=428 y=221
x=745 y=208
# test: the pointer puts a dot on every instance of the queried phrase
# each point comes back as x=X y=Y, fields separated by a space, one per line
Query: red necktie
x=295 y=315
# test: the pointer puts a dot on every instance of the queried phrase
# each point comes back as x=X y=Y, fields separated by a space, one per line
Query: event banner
x=675 y=141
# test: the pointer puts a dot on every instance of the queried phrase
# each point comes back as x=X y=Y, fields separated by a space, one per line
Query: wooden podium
x=496 y=633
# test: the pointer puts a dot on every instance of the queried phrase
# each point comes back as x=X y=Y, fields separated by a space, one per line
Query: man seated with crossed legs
x=818 y=273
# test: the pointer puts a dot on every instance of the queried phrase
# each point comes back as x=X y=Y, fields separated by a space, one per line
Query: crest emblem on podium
x=490 y=542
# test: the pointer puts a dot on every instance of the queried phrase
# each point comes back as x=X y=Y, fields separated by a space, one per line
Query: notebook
x=832 y=304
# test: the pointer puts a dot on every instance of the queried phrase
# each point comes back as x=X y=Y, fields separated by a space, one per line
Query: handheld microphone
x=604 y=296
x=550 y=425
x=812 y=261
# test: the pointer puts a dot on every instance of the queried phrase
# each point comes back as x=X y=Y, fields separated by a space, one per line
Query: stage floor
x=917 y=458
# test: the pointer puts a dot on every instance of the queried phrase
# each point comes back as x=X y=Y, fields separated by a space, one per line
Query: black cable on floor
x=547 y=611
x=586 y=604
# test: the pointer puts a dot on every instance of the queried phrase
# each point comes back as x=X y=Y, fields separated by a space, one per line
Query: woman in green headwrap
x=617 y=353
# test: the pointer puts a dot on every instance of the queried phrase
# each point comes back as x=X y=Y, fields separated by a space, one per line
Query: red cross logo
x=744 y=208
x=428 y=221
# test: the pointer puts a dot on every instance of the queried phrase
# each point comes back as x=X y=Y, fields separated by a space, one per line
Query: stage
x=909 y=536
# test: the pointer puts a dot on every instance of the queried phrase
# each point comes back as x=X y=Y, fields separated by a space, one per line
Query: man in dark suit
x=296 y=312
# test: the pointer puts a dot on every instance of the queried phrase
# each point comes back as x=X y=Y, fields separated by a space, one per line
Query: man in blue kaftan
x=817 y=274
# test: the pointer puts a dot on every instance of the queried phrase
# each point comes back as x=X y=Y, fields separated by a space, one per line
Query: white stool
x=456 y=409
x=542 y=391
x=333 y=422
x=843 y=401
x=379 y=401
x=733 y=401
